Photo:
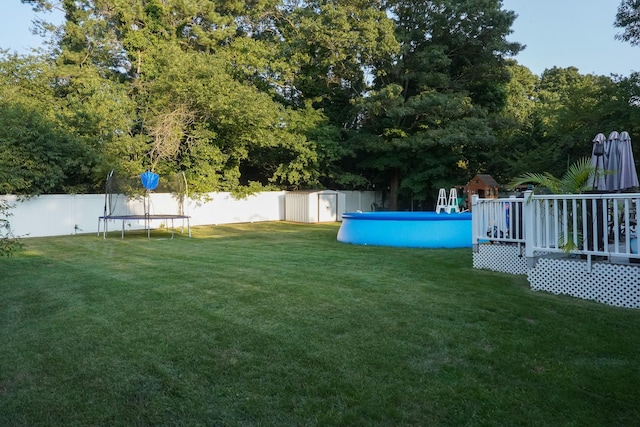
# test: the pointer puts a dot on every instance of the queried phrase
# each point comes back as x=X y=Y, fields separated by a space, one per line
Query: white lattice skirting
x=613 y=284
x=499 y=257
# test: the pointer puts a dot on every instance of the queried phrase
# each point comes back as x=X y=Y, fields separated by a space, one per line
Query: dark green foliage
x=36 y=157
x=564 y=110
x=59 y=132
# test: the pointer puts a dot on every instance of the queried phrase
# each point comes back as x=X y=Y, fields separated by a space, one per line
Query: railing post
x=528 y=224
x=475 y=222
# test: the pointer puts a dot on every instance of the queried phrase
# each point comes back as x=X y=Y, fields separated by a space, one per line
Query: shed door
x=327 y=207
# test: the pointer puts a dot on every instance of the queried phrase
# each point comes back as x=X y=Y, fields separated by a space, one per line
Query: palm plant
x=574 y=181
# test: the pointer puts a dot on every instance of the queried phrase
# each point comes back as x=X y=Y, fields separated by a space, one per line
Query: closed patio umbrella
x=615 y=167
x=612 y=162
x=628 y=177
x=597 y=179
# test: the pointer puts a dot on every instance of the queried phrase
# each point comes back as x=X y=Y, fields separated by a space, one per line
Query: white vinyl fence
x=59 y=215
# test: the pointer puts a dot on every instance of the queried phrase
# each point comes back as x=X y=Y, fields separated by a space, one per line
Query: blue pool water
x=407 y=229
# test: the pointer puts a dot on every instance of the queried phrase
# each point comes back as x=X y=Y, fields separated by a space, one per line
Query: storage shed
x=314 y=206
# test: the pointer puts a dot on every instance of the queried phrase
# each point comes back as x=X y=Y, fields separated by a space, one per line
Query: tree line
x=404 y=97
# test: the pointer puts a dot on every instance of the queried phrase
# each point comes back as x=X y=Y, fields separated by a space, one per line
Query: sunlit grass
x=279 y=324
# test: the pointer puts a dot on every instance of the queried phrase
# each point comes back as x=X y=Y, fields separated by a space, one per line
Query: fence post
x=475 y=222
x=528 y=225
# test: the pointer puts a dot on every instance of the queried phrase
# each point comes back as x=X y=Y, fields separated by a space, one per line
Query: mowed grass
x=278 y=324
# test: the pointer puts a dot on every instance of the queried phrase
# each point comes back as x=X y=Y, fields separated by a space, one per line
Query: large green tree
x=428 y=120
x=331 y=48
x=515 y=124
x=204 y=82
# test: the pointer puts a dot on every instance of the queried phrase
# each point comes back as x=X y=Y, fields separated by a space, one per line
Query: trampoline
x=126 y=201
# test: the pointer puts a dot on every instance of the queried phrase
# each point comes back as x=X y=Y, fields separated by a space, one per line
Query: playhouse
x=482 y=185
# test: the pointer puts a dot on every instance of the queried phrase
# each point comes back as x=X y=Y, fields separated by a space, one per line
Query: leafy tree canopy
x=401 y=96
x=628 y=18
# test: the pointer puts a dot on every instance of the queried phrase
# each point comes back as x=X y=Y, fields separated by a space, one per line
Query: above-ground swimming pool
x=407 y=229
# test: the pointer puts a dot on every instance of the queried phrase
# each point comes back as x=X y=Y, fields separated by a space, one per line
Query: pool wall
x=406 y=229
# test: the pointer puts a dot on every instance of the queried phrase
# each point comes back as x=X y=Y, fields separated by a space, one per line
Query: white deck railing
x=602 y=225
x=498 y=220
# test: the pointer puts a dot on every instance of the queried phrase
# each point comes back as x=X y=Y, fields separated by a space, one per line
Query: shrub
x=8 y=242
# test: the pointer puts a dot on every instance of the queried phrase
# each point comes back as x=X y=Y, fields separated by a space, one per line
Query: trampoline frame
x=147 y=222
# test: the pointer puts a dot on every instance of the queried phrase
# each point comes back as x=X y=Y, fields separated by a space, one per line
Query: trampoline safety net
x=127 y=200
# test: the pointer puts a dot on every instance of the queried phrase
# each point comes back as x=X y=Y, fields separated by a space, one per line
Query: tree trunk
x=394 y=186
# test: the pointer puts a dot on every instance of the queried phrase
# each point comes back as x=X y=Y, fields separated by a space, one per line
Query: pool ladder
x=450 y=205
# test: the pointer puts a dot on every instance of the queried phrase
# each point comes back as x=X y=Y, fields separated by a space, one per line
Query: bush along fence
x=583 y=245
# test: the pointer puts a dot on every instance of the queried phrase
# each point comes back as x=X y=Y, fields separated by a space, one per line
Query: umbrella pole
x=147 y=220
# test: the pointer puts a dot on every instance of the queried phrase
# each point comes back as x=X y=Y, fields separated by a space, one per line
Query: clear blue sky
x=559 y=33
x=15 y=24
x=566 y=33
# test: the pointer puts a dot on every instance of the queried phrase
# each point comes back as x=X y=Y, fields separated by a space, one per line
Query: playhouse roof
x=485 y=179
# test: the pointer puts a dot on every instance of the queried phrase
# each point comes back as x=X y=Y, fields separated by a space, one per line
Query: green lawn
x=278 y=324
